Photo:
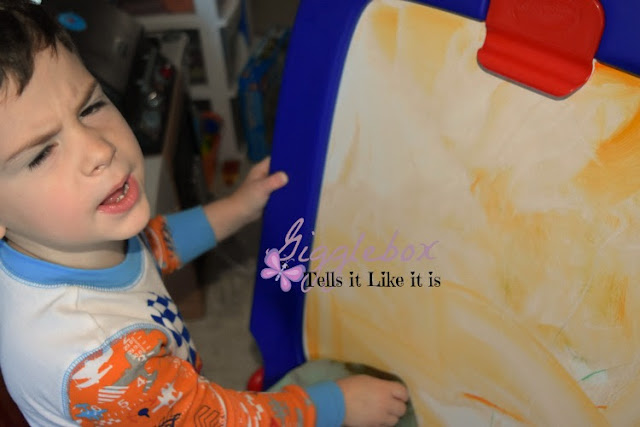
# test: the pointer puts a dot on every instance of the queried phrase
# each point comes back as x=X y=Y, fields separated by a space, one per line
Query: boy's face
x=71 y=170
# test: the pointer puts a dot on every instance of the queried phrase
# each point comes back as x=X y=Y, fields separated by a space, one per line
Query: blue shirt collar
x=37 y=272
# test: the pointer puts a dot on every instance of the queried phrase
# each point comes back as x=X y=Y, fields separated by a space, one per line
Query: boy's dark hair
x=26 y=29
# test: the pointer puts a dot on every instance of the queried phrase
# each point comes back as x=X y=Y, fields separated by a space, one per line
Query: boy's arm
x=135 y=380
x=176 y=239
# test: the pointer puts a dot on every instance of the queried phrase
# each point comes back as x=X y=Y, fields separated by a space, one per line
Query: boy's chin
x=133 y=225
x=137 y=222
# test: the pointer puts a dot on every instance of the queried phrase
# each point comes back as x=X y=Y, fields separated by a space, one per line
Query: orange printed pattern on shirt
x=161 y=245
x=137 y=381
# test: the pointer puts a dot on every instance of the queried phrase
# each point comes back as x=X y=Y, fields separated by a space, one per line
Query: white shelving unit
x=211 y=19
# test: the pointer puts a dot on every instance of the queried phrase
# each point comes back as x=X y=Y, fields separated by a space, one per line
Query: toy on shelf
x=258 y=91
x=211 y=130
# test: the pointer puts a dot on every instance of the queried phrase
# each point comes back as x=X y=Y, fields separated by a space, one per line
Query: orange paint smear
x=612 y=176
x=494 y=406
x=384 y=20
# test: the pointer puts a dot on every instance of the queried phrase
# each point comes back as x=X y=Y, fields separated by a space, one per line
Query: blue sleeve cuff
x=191 y=233
x=329 y=402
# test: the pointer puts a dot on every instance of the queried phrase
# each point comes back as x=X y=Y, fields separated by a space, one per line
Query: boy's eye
x=41 y=157
x=93 y=108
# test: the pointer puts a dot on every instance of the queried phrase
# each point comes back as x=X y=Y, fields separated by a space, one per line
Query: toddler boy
x=88 y=332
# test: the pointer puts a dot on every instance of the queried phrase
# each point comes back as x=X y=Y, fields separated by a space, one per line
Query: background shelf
x=219 y=51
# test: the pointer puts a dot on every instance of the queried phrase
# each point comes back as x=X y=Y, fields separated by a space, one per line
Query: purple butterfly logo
x=281 y=272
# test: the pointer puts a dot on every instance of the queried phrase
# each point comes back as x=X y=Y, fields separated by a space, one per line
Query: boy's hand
x=231 y=213
x=253 y=193
x=371 y=401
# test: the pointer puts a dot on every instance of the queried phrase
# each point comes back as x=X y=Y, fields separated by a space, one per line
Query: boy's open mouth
x=121 y=199
x=116 y=196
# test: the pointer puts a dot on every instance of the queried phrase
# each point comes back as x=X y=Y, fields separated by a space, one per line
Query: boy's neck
x=107 y=255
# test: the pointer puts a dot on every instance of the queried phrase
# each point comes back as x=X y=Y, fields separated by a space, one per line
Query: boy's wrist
x=243 y=209
x=328 y=399
x=226 y=216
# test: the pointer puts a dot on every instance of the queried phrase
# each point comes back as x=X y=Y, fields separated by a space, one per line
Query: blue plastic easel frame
x=316 y=54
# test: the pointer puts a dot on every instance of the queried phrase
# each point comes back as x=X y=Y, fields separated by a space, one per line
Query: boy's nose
x=99 y=154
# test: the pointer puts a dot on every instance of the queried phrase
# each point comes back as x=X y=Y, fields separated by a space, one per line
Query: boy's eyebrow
x=87 y=95
x=41 y=139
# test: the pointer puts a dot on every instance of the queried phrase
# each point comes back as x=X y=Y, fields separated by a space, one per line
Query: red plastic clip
x=548 y=45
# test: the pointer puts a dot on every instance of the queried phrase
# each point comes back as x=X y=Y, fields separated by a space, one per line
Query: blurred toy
x=258 y=91
x=211 y=124
x=230 y=172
